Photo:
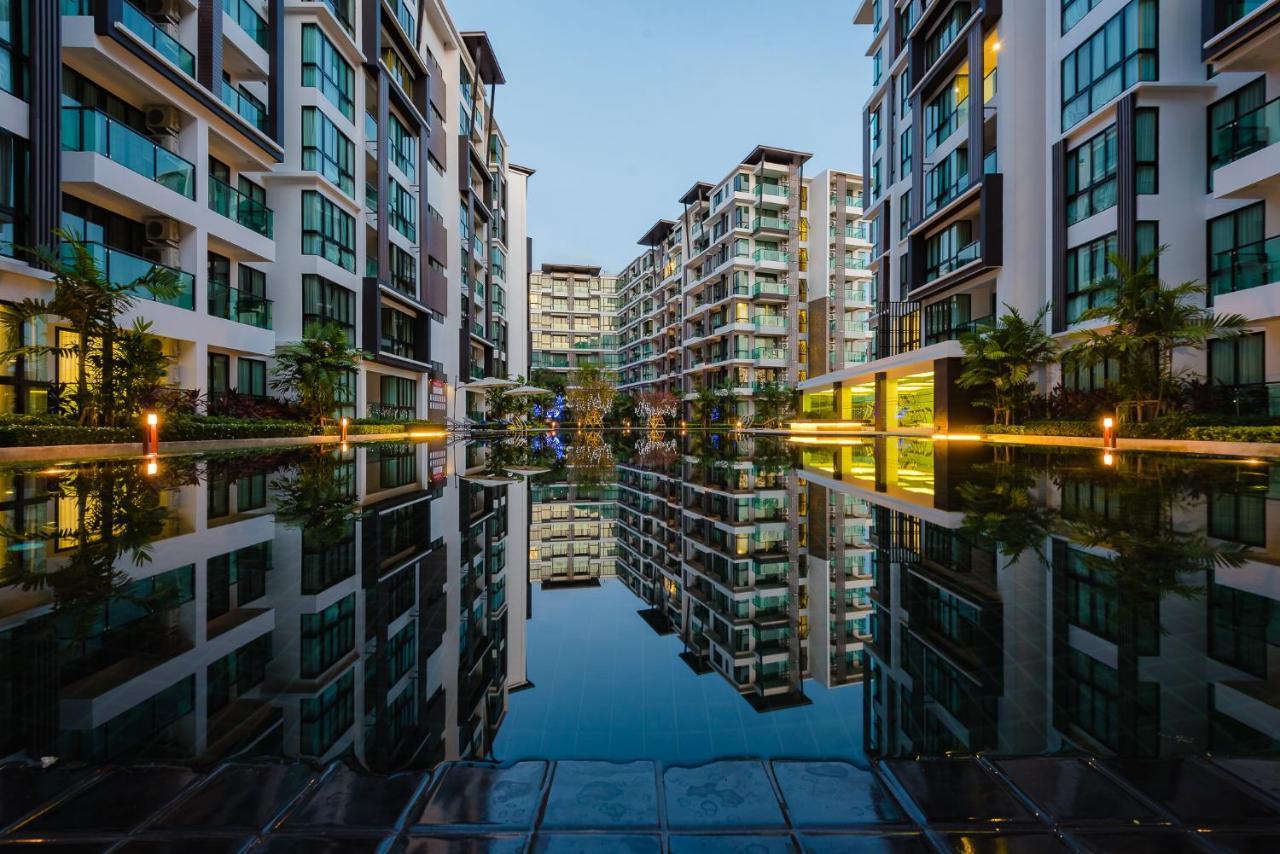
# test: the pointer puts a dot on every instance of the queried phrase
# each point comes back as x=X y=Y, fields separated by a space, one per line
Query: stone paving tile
x=1263 y=774
x=1072 y=791
x=602 y=795
x=317 y=845
x=491 y=797
x=1006 y=843
x=242 y=797
x=350 y=800
x=1193 y=792
x=854 y=843
x=821 y=794
x=739 y=844
x=733 y=794
x=957 y=791
x=116 y=802
x=181 y=845
x=582 y=843
x=464 y=845
x=1150 y=842
x=25 y=787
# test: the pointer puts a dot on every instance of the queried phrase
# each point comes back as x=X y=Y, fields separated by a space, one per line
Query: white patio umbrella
x=488 y=383
x=528 y=391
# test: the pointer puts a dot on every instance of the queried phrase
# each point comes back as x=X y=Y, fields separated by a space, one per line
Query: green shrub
x=1235 y=433
x=1046 y=428
x=30 y=430
x=366 y=428
x=206 y=429
x=1176 y=426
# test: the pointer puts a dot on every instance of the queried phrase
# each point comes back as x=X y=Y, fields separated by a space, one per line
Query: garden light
x=151 y=436
x=1108 y=432
x=342 y=435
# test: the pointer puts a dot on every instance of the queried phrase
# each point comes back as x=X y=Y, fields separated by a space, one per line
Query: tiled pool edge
x=124 y=450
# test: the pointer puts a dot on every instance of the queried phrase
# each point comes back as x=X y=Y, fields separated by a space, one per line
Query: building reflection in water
x=374 y=602
x=307 y=604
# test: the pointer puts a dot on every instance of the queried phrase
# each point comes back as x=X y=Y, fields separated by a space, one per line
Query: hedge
x=1186 y=427
x=205 y=429
x=27 y=431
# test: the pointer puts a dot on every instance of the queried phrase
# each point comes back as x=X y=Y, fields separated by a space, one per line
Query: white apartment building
x=573 y=319
x=1100 y=126
x=295 y=161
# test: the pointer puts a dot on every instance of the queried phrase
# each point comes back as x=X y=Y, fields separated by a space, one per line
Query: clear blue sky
x=620 y=105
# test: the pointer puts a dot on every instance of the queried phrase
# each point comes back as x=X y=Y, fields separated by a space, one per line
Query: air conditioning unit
x=163 y=118
x=169 y=11
x=162 y=253
x=161 y=229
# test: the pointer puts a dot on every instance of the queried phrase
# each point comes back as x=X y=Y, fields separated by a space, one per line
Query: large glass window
x=328 y=231
x=1238 y=252
x=1121 y=53
x=326 y=717
x=326 y=150
x=328 y=636
x=945 y=33
x=1237 y=361
x=1237 y=126
x=1091 y=176
x=402 y=210
x=950 y=249
x=1088 y=268
x=404 y=148
x=1147 y=144
x=946 y=112
x=324 y=301
x=399 y=333
x=13 y=47
x=404 y=271
x=13 y=191
x=1074 y=10
x=251 y=377
x=325 y=69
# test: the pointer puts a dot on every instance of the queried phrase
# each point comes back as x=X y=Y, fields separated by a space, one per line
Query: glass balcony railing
x=965 y=255
x=946 y=125
x=855 y=262
x=776 y=223
x=163 y=43
x=770 y=321
x=1247 y=133
x=1244 y=267
x=989 y=85
x=1228 y=12
x=857 y=293
x=249 y=20
x=235 y=205
x=945 y=195
x=85 y=129
x=245 y=105
x=780 y=190
x=855 y=327
x=477 y=328
x=772 y=255
x=241 y=306
x=406 y=19
x=781 y=289
x=125 y=268
x=769 y=353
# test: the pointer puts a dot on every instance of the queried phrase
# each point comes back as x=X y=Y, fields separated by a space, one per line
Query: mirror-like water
x=619 y=596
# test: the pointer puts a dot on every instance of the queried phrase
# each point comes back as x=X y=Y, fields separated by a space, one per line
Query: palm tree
x=1147 y=321
x=1002 y=359
x=775 y=403
x=89 y=301
x=314 y=369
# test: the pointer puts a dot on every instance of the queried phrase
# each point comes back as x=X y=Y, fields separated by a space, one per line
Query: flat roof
x=481 y=50
x=777 y=155
x=658 y=233
x=527 y=170
x=583 y=269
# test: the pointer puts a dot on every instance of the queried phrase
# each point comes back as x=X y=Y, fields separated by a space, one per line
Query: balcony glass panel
x=241 y=306
x=233 y=204
x=125 y=268
x=85 y=129
x=249 y=20
x=1248 y=266
x=163 y=43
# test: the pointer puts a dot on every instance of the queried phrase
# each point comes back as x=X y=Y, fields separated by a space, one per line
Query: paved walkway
x=1013 y=806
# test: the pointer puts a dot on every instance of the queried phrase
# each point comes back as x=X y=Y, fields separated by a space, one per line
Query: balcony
x=1249 y=399
x=235 y=205
x=85 y=129
x=771 y=289
x=163 y=43
x=952 y=331
x=770 y=223
x=947 y=194
x=1235 y=35
x=858 y=294
x=946 y=125
x=963 y=256
x=779 y=192
x=771 y=256
x=245 y=105
x=769 y=354
x=125 y=269
x=770 y=322
x=241 y=306
x=1236 y=140
x=1250 y=266
x=249 y=20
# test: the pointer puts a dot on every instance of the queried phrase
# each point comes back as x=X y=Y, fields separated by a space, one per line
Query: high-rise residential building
x=722 y=296
x=1011 y=147
x=294 y=162
x=573 y=318
x=572 y=532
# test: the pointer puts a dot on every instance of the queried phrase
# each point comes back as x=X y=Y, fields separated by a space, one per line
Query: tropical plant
x=775 y=404
x=1002 y=359
x=89 y=302
x=714 y=404
x=589 y=394
x=1146 y=322
x=313 y=370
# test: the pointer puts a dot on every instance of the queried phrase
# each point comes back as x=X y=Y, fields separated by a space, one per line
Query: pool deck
x=120 y=450
x=1037 y=804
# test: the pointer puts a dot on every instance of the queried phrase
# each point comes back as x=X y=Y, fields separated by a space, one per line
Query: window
x=326 y=150
x=398 y=68
x=1074 y=10
x=399 y=333
x=1242 y=625
x=904 y=215
x=325 y=69
x=13 y=192
x=1083 y=378
x=327 y=636
x=945 y=33
x=402 y=210
x=404 y=148
x=873 y=126
x=1235 y=126
x=251 y=377
x=324 y=301
x=404 y=271
x=1146 y=129
x=1091 y=176
x=947 y=180
x=946 y=112
x=1238 y=256
x=877 y=67
x=328 y=231
x=1237 y=361
x=904 y=93
x=904 y=154
x=950 y=249
x=327 y=717
x=1087 y=268
x=399 y=397
x=1121 y=53
x=13 y=38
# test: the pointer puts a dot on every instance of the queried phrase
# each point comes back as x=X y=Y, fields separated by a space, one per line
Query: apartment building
x=294 y=162
x=721 y=296
x=375 y=626
x=573 y=319
x=1090 y=119
x=572 y=533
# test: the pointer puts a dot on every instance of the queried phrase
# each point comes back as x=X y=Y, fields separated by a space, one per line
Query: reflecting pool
x=679 y=597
